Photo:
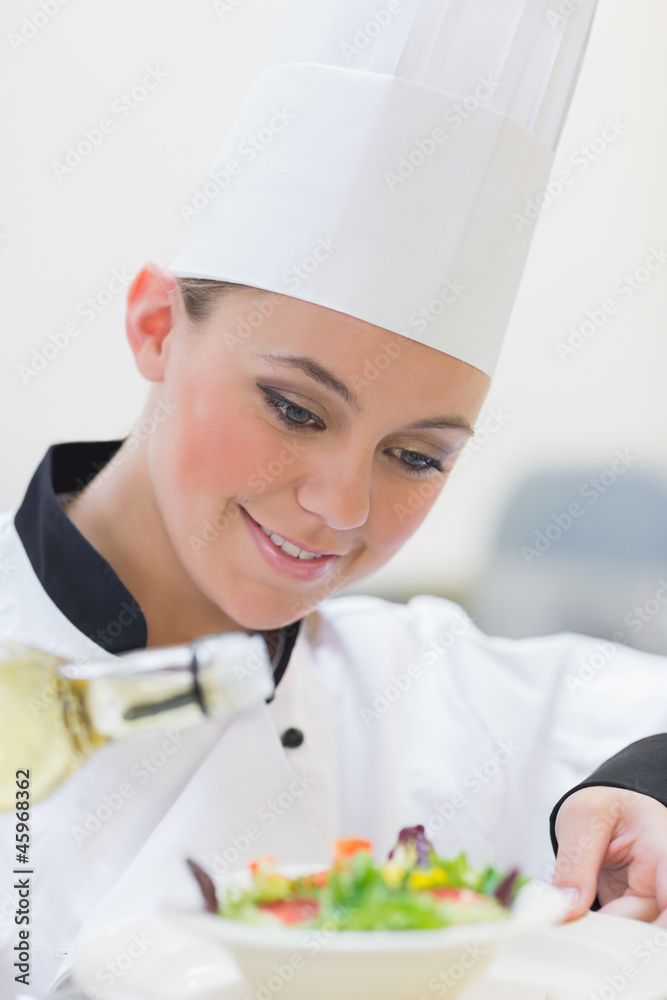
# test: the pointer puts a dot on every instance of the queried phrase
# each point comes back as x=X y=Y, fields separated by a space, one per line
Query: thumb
x=582 y=846
x=661 y=891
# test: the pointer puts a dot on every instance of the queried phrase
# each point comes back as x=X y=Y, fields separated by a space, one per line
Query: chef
x=318 y=354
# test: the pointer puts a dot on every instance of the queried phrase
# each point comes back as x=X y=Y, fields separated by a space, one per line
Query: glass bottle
x=55 y=714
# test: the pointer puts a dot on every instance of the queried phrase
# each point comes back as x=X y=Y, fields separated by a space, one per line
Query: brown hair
x=200 y=295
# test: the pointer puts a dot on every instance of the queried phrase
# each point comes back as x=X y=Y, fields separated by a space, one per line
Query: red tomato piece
x=458 y=895
x=350 y=846
x=317 y=880
x=266 y=862
x=292 y=911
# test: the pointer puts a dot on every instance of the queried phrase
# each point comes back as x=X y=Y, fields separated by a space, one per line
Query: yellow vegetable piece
x=433 y=878
x=393 y=874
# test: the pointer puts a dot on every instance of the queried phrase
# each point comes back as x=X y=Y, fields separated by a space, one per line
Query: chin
x=262 y=614
x=266 y=622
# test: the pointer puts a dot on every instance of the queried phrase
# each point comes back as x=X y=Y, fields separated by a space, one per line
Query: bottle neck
x=171 y=686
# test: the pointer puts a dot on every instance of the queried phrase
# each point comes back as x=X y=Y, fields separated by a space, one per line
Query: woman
x=371 y=227
x=174 y=527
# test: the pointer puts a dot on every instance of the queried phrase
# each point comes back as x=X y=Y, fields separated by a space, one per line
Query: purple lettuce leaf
x=205 y=883
x=507 y=889
x=415 y=845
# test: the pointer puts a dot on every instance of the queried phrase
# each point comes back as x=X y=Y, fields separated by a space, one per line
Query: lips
x=289 y=547
x=292 y=547
x=286 y=555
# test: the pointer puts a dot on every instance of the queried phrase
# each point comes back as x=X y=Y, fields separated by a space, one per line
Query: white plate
x=302 y=964
x=579 y=961
x=598 y=958
x=328 y=963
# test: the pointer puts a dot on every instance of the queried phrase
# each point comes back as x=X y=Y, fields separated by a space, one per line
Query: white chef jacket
x=408 y=713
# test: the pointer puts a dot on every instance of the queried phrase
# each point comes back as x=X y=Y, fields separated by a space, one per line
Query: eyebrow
x=326 y=378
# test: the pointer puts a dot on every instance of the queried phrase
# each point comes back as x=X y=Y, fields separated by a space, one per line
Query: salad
x=414 y=889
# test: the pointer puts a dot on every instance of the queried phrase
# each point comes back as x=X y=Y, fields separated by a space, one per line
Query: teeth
x=291 y=550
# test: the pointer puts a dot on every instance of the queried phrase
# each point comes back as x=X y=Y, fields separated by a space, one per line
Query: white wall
x=62 y=239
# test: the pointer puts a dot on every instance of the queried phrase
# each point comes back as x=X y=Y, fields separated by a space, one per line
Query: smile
x=288 y=547
x=285 y=556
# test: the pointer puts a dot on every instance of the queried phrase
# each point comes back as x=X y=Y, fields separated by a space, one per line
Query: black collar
x=76 y=577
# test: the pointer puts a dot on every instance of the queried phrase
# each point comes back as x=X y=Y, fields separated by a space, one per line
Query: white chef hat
x=382 y=157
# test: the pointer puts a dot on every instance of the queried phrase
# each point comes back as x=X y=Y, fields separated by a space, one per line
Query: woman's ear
x=150 y=318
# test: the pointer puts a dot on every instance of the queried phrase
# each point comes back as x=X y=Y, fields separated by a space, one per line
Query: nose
x=338 y=491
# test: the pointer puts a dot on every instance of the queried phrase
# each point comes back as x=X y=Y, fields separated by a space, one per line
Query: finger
x=635 y=907
x=661 y=891
x=583 y=838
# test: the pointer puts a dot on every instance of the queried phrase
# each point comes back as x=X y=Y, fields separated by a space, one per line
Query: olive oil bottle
x=55 y=714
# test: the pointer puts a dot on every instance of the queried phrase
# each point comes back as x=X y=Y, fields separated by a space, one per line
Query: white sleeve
x=475 y=736
x=569 y=701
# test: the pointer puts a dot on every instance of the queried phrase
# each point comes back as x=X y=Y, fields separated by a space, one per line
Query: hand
x=613 y=843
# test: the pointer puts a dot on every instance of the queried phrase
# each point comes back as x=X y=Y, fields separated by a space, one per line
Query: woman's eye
x=414 y=461
x=290 y=414
x=299 y=418
x=296 y=414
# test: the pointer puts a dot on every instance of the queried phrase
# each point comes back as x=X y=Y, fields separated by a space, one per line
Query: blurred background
x=556 y=516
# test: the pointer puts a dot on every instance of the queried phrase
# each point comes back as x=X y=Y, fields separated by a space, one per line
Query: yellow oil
x=43 y=728
x=50 y=724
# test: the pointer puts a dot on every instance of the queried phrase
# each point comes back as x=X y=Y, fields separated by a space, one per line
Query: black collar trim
x=79 y=581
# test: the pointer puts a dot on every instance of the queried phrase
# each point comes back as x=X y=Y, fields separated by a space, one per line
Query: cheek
x=399 y=512
x=207 y=456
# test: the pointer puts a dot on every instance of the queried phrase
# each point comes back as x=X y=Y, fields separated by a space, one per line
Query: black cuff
x=640 y=767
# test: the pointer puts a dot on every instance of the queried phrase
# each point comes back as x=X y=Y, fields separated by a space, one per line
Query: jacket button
x=292 y=738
